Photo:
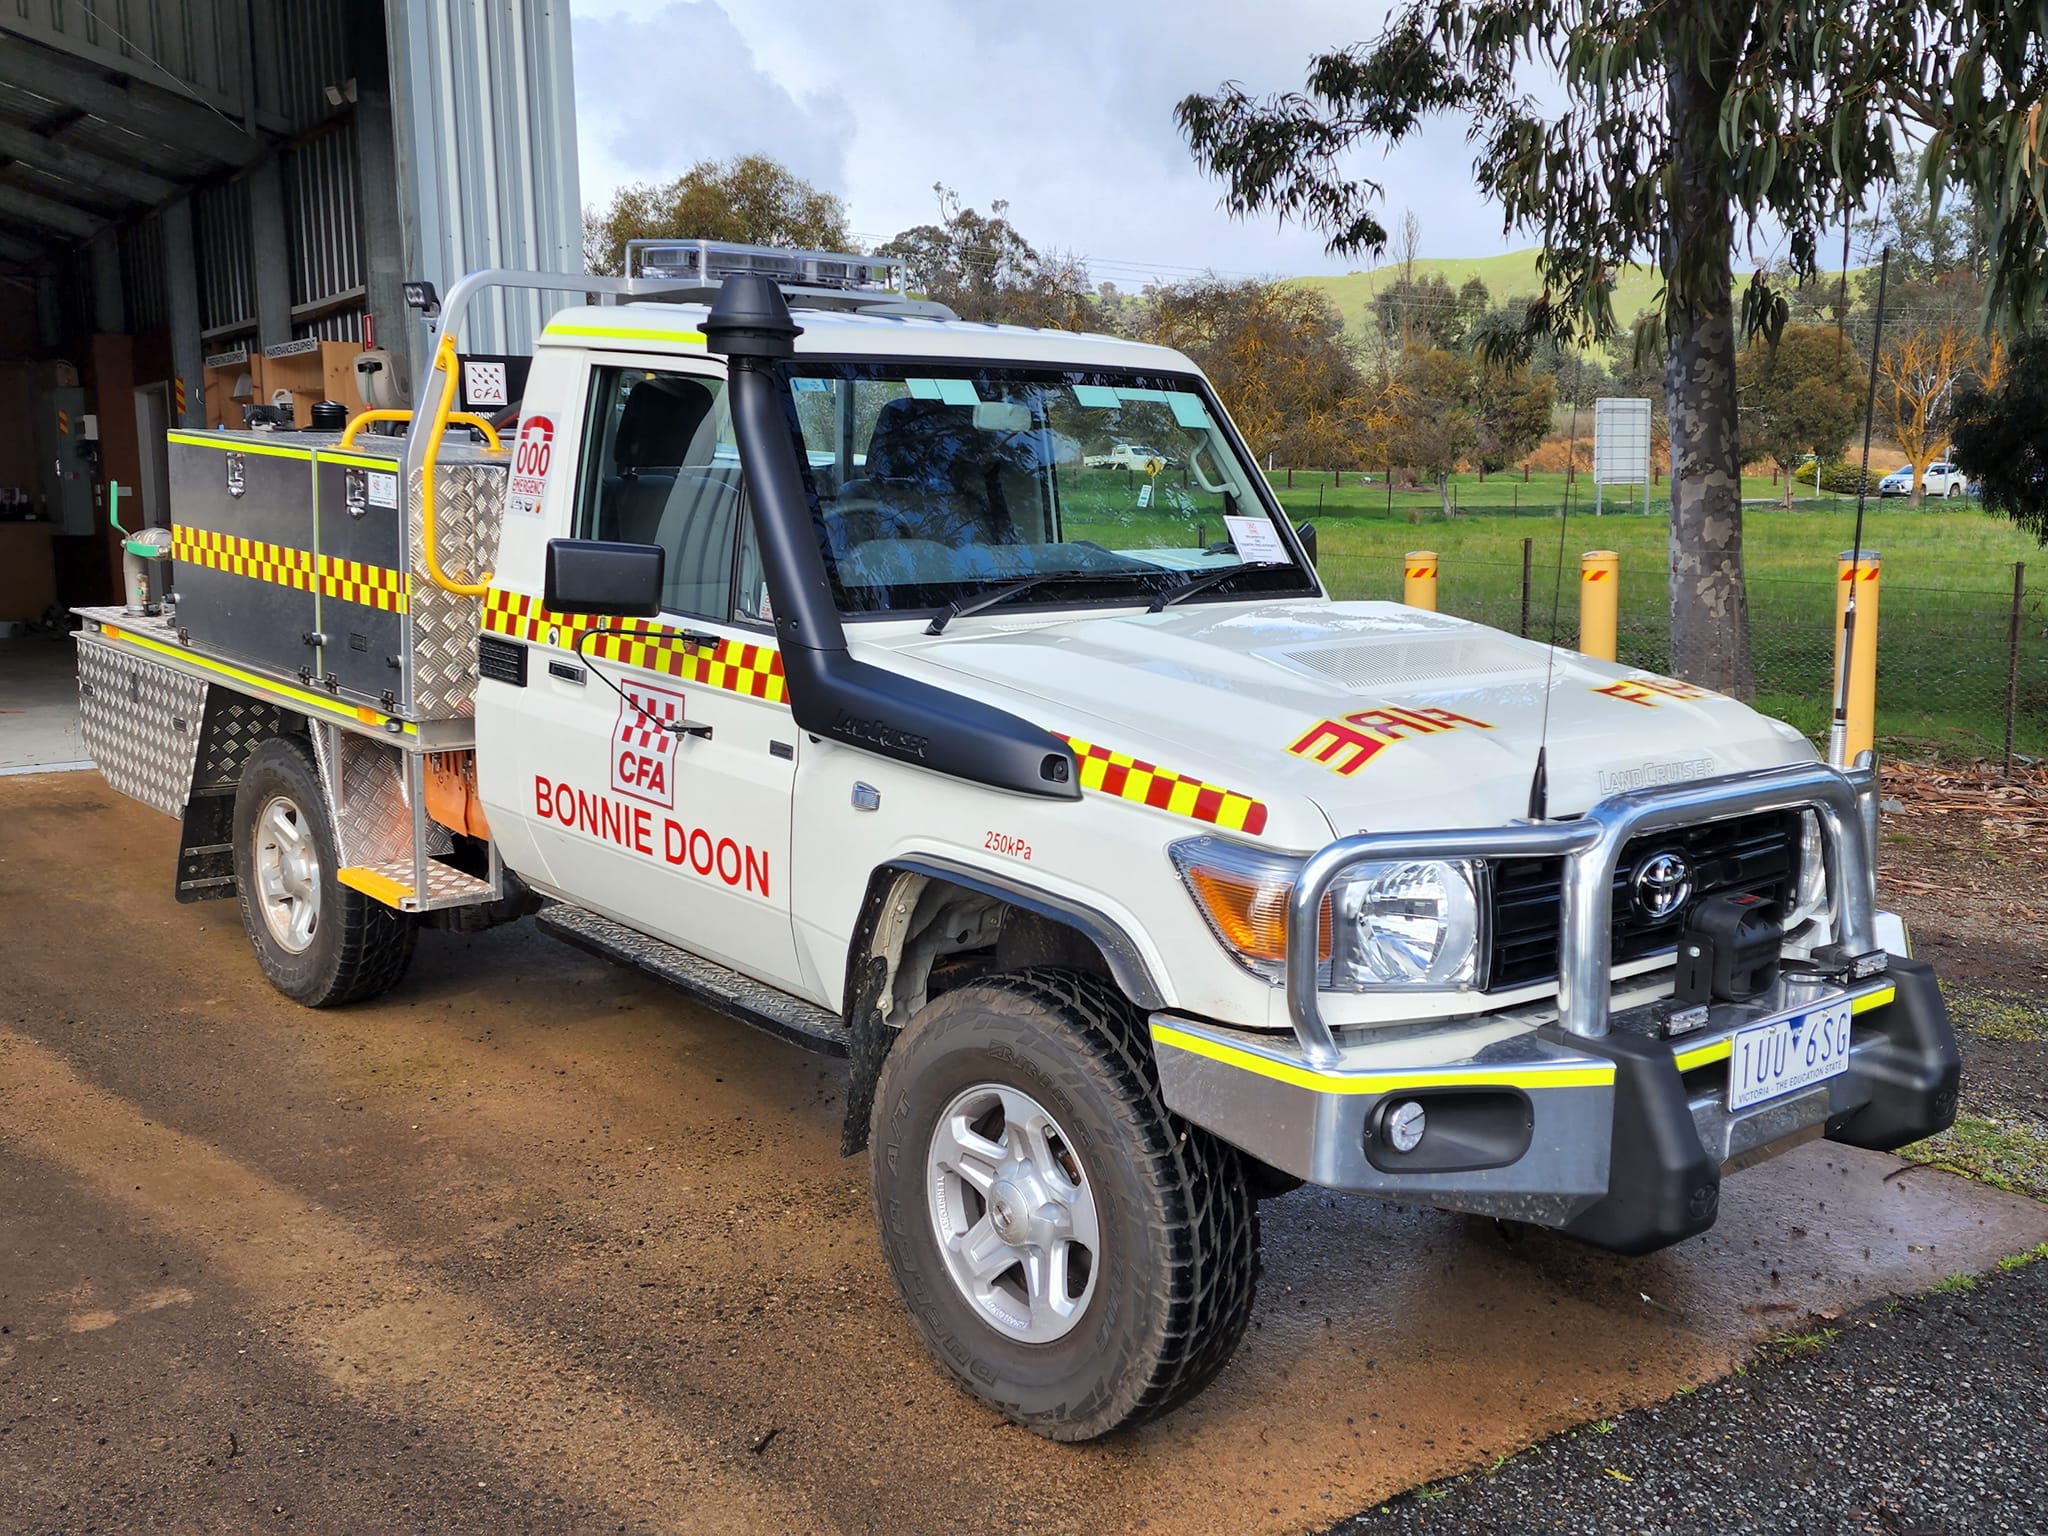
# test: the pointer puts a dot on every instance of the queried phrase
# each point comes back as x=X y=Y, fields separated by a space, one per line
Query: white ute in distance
x=797 y=646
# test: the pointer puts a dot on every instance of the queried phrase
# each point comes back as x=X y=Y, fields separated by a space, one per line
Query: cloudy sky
x=1065 y=108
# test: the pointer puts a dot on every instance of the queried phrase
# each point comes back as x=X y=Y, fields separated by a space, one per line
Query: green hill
x=1510 y=276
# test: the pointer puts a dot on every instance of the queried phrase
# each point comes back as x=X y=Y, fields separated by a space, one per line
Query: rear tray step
x=391 y=883
x=702 y=981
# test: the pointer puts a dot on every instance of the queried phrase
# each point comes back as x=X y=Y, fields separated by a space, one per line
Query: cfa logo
x=643 y=756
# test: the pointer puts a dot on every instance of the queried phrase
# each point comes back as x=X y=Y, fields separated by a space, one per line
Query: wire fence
x=1962 y=659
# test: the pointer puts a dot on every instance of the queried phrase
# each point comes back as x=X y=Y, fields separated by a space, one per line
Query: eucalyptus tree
x=1677 y=135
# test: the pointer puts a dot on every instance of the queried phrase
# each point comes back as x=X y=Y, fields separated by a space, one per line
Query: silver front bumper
x=1315 y=1121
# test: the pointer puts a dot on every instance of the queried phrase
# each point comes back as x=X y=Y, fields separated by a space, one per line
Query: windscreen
x=935 y=484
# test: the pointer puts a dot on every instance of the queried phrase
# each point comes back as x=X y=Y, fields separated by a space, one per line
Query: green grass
x=2006 y=1154
x=1955 y=1285
x=1944 y=612
x=1785 y=1346
x=1508 y=276
x=2010 y=1017
x=2013 y=1261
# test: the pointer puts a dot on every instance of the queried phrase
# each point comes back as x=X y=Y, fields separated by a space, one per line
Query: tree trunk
x=1709 y=606
x=1443 y=490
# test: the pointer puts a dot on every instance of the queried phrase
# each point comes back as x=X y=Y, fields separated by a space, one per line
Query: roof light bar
x=712 y=261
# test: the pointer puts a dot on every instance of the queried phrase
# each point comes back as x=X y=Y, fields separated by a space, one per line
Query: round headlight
x=1407 y=924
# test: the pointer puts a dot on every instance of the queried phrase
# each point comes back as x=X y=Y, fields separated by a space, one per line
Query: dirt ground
x=531 y=1245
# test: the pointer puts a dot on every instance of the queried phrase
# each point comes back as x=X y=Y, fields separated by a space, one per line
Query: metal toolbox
x=305 y=560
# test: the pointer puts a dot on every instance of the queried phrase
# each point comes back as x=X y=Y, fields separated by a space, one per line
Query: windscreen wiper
x=960 y=607
x=1193 y=585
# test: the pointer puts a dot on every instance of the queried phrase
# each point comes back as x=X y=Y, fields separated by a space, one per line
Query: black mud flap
x=1912 y=1077
x=206 y=847
x=1662 y=1187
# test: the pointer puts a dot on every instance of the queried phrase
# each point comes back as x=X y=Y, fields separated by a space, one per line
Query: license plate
x=1785 y=1055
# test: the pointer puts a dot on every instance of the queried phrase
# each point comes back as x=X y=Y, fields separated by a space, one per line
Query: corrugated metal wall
x=483 y=99
x=200 y=42
x=323 y=219
x=142 y=273
x=301 y=47
x=227 y=280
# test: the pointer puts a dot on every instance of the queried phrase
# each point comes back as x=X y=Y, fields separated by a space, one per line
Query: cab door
x=650 y=764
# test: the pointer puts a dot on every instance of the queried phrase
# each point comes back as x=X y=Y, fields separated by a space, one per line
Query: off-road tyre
x=1178 y=1265
x=359 y=947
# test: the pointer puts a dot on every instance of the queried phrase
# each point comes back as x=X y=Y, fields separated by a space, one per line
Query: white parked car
x=1133 y=456
x=1942 y=479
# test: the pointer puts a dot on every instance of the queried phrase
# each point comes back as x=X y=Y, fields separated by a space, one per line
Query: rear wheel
x=1075 y=1254
x=1954 y=490
x=318 y=941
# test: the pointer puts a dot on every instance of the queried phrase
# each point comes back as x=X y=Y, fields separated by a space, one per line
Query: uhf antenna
x=1838 y=728
x=1539 y=784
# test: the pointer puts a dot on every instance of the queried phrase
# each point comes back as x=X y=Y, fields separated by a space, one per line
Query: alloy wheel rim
x=287 y=874
x=1014 y=1213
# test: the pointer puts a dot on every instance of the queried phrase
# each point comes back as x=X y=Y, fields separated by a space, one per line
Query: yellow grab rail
x=464 y=418
x=444 y=359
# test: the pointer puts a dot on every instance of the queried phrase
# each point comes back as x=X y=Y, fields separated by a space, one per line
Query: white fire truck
x=797 y=646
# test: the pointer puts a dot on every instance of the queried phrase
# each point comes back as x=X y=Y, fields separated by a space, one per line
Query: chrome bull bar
x=1591 y=848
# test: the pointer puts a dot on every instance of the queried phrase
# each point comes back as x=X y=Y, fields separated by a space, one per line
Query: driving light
x=1408 y=924
x=1405 y=1124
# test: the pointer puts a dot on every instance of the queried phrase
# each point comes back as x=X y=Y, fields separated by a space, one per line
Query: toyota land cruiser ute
x=787 y=652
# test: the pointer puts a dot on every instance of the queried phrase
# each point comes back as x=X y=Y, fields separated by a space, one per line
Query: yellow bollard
x=1599 y=602
x=1419 y=591
x=1862 y=722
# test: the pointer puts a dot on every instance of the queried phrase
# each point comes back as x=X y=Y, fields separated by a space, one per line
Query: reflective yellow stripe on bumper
x=1589 y=1075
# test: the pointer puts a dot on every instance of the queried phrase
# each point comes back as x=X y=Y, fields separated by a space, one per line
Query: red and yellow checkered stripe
x=373 y=586
x=273 y=563
x=1130 y=778
x=731 y=665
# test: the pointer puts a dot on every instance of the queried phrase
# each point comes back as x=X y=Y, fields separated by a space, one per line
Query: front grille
x=1757 y=854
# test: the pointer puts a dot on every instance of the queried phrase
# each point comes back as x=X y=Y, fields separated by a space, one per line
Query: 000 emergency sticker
x=531 y=457
x=383 y=489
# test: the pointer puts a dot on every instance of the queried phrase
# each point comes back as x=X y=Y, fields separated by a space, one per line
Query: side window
x=660 y=467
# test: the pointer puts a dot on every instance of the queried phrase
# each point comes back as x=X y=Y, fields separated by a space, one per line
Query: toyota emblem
x=1661 y=885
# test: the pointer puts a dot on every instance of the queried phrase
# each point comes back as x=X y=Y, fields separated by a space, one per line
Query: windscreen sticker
x=811 y=386
x=958 y=392
x=532 y=456
x=1347 y=745
x=1096 y=397
x=1650 y=690
x=1188 y=411
x=922 y=389
x=1257 y=540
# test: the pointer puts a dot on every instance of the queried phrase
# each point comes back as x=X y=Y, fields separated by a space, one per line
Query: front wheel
x=1075 y=1254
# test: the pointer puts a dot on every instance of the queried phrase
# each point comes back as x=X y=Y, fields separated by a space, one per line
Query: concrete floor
x=39 y=705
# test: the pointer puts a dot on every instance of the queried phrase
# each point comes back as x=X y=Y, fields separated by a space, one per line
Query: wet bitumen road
x=1927 y=1417
x=532 y=1245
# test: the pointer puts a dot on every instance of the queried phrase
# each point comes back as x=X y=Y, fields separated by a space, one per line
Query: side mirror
x=588 y=576
x=1306 y=532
